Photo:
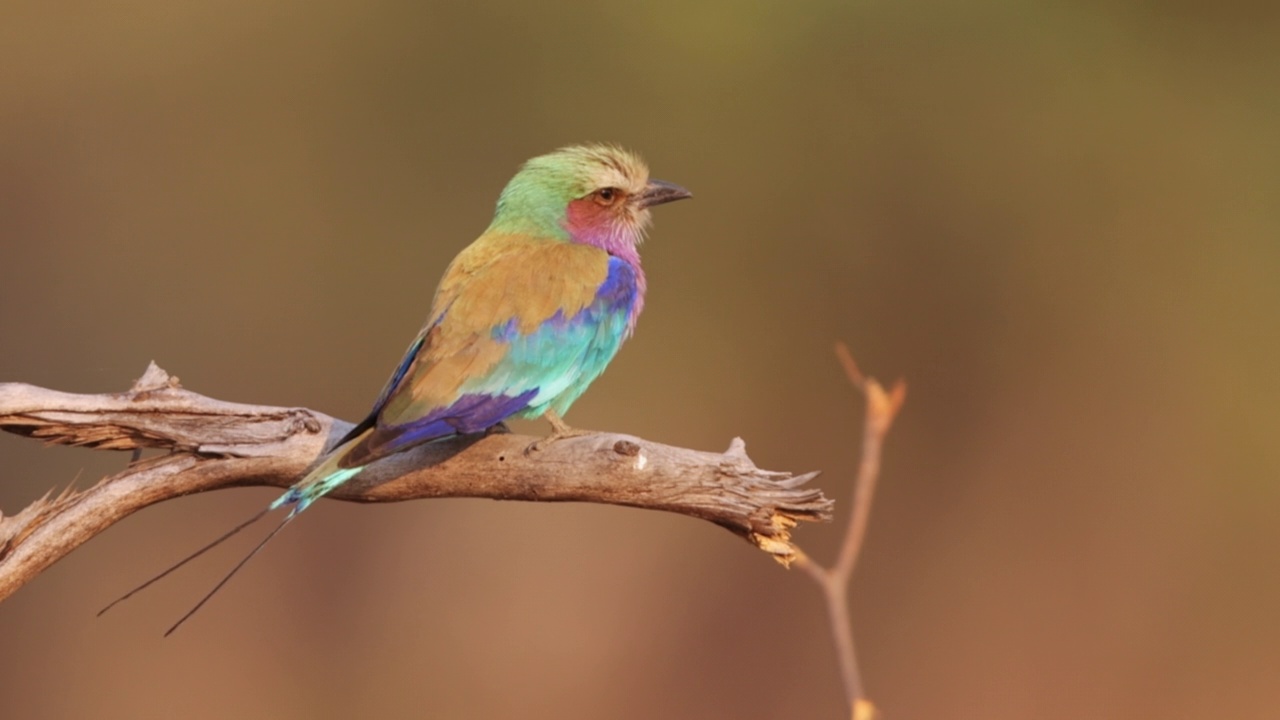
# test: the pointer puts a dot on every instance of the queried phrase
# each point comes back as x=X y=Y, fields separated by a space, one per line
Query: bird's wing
x=514 y=322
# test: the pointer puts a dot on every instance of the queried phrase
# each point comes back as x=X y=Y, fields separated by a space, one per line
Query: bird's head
x=594 y=194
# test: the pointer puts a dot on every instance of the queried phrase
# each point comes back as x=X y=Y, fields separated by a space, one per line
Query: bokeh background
x=1058 y=221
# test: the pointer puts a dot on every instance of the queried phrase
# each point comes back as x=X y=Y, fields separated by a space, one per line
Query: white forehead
x=611 y=166
x=614 y=177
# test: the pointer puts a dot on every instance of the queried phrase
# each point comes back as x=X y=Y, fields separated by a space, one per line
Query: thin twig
x=881 y=409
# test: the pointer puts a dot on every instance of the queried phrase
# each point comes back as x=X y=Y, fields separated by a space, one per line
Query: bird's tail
x=324 y=479
x=316 y=484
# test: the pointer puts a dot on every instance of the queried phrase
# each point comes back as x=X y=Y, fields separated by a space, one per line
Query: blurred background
x=1058 y=221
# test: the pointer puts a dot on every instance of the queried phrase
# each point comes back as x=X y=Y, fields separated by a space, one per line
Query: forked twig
x=881 y=409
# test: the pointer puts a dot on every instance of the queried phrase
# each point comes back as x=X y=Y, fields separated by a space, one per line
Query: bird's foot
x=499 y=429
x=559 y=431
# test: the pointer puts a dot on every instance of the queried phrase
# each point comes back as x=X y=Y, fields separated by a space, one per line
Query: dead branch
x=213 y=444
x=882 y=408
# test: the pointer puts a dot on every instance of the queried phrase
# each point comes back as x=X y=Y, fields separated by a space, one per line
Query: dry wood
x=213 y=444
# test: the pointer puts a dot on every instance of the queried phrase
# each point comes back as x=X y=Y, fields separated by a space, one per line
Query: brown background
x=1057 y=220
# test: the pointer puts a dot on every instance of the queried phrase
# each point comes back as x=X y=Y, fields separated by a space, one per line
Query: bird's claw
x=559 y=431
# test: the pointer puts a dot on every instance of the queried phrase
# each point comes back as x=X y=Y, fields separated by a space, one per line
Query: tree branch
x=213 y=444
x=882 y=408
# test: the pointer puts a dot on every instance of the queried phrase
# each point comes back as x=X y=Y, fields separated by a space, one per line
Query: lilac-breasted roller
x=525 y=318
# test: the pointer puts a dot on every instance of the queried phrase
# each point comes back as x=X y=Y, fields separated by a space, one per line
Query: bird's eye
x=606 y=196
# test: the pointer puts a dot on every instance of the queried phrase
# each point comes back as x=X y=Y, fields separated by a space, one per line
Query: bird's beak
x=658 y=192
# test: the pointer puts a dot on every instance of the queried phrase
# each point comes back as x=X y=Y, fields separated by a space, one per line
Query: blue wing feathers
x=469 y=414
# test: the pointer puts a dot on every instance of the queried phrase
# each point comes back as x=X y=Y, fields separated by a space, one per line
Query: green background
x=1058 y=221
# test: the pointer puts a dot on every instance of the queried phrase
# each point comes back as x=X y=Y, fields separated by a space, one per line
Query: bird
x=524 y=319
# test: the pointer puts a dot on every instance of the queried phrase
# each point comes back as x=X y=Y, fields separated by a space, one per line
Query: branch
x=213 y=444
x=882 y=408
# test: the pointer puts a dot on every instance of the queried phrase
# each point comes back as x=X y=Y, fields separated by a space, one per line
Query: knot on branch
x=154 y=378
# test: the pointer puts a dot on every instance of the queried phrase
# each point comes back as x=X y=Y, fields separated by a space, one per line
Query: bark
x=210 y=444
